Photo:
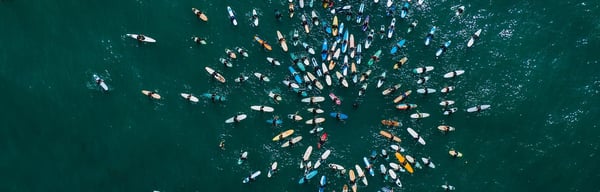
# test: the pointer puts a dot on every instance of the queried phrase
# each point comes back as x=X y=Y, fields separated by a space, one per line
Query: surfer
x=384 y=155
x=235 y=119
x=241 y=78
x=454 y=154
x=460 y=10
x=141 y=37
x=212 y=97
x=151 y=93
x=222 y=143
x=338 y=116
x=275 y=118
x=261 y=108
x=277 y=15
x=290 y=143
x=355 y=105
x=426 y=161
x=262 y=77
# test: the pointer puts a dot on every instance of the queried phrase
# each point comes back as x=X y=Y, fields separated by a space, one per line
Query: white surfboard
x=419 y=115
x=307 y=153
x=100 y=82
x=447 y=89
x=315 y=120
x=473 y=37
x=415 y=136
x=454 y=73
x=428 y=162
x=291 y=84
x=236 y=118
x=273 y=61
x=314 y=99
x=446 y=103
x=450 y=111
x=315 y=110
x=423 y=69
x=262 y=77
x=294 y=117
x=292 y=141
x=275 y=96
x=325 y=154
x=189 y=97
x=425 y=90
x=262 y=108
x=478 y=108
x=146 y=38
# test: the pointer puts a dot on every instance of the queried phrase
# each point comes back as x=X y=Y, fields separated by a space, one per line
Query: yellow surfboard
x=283 y=135
x=404 y=163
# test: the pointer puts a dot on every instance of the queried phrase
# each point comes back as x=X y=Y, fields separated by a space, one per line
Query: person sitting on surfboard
x=212 y=97
x=151 y=93
x=275 y=118
x=241 y=78
x=141 y=37
x=188 y=97
x=454 y=154
x=99 y=81
x=426 y=161
x=338 y=116
x=235 y=119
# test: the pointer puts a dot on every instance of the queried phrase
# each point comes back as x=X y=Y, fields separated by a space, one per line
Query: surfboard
x=215 y=74
x=308 y=176
x=261 y=77
x=290 y=84
x=445 y=128
x=390 y=136
x=450 y=111
x=315 y=110
x=406 y=106
x=394 y=166
x=316 y=130
x=419 y=115
x=447 y=89
x=400 y=63
x=274 y=122
x=478 y=108
x=189 y=97
x=283 y=135
x=420 y=70
x=473 y=37
x=369 y=166
x=151 y=94
x=275 y=96
x=237 y=117
x=454 y=73
x=390 y=123
x=403 y=162
x=231 y=16
x=294 y=117
x=425 y=90
x=428 y=162
x=200 y=14
x=272 y=170
x=402 y=96
x=254 y=18
x=292 y=141
x=361 y=174
x=446 y=103
x=242 y=157
x=282 y=41
x=214 y=97
x=251 y=177
x=338 y=115
x=391 y=89
x=241 y=78
x=230 y=53
x=263 y=43
x=314 y=99
x=146 y=38
x=100 y=82
x=415 y=136
x=341 y=79
x=315 y=120
x=335 y=99
x=307 y=153
x=262 y=108
x=455 y=153
x=273 y=61
x=448 y=187
x=351 y=176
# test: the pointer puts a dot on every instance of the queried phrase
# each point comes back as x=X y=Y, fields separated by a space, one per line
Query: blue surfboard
x=308 y=177
x=341 y=115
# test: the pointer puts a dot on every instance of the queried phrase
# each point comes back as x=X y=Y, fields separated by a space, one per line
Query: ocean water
x=536 y=64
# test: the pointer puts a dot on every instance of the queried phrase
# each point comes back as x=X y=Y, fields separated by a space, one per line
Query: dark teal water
x=536 y=63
